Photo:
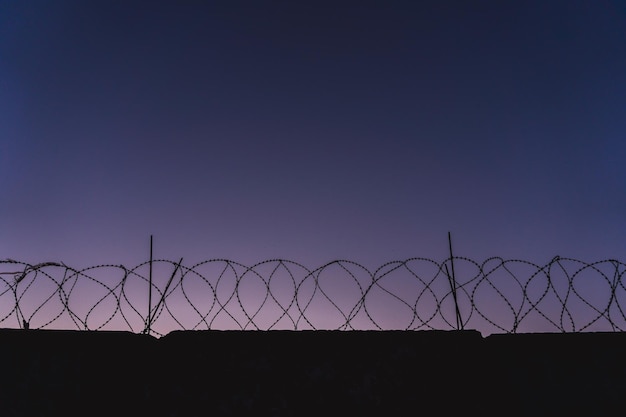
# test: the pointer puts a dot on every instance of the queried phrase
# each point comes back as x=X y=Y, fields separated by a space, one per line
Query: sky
x=312 y=131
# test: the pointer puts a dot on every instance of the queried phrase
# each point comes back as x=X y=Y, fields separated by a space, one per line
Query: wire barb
x=495 y=296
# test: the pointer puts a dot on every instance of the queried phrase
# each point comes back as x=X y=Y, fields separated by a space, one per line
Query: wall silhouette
x=310 y=373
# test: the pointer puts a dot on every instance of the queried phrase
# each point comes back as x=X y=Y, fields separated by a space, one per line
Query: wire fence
x=158 y=296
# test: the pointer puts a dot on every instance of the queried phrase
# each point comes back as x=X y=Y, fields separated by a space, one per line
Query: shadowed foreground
x=301 y=373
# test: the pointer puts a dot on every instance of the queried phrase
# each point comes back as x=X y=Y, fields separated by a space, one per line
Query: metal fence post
x=452 y=280
x=148 y=324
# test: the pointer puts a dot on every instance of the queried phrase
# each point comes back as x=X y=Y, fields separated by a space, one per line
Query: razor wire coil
x=495 y=296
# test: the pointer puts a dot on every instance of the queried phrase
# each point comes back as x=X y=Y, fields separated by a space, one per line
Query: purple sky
x=312 y=131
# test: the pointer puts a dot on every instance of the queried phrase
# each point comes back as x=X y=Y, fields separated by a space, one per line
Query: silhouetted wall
x=301 y=373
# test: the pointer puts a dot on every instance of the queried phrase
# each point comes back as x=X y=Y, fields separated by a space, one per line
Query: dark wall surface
x=310 y=373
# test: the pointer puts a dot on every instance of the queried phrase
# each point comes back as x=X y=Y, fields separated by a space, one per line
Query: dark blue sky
x=312 y=131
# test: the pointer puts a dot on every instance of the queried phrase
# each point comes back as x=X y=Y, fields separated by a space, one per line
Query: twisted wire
x=495 y=296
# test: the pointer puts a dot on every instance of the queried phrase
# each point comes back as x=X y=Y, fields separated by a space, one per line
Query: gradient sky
x=312 y=131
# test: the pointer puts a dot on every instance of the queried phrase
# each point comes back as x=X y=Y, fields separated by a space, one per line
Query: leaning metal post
x=452 y=281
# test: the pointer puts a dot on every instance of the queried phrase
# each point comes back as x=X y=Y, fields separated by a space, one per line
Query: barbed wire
x=495 y=296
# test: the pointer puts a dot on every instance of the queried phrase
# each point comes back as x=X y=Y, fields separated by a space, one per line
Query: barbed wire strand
x=493 y=296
